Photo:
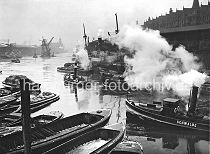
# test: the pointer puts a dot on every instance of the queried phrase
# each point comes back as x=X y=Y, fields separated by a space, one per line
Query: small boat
x=69 y=79
x=34 y=106
x=13 y=83
x=98 y=141
x=65 y=69
x=0 y=72
x=9 y=110
x=56 y=133
x=4 y=92
x=69 y=64
x=16 y=60
x=7 y=100
x=34 y=56
x=43 y=97
x=128 y=147
x=14 y=122
x=7 y=120
x=53 y=55
x=168 y=112
x=68 y=67
x=17 y=108
x=41 y=101
x=80 y=71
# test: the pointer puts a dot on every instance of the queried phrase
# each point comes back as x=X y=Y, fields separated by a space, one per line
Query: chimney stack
x=195 y=4
x=193 y=99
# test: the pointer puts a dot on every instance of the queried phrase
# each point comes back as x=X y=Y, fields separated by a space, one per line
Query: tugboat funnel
x=193 y=99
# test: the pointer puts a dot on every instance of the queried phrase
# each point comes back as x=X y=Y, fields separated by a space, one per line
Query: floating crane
x=45 y=48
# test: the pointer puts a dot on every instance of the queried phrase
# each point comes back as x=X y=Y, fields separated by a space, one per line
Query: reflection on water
x=164 y=139
x=154 y=139
x=44 y=71
x=88 y=147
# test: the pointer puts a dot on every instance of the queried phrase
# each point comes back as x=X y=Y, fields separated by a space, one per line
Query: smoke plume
x=100 y=33
x=183 y=83
x=82 y=56
x=154 y=61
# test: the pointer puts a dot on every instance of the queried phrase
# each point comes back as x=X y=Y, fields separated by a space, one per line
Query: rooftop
x=186 y=28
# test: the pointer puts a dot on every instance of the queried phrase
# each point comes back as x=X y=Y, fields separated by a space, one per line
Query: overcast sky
x=29 y=20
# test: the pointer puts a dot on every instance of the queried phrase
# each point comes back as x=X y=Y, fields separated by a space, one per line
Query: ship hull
x=172 y=121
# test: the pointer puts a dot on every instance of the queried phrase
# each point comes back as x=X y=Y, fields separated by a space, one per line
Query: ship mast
x=117 y=30
x=85 y=36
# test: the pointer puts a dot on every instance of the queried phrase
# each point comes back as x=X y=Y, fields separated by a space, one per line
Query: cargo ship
x=11 y=50
x=8 y=51
x=103 y=52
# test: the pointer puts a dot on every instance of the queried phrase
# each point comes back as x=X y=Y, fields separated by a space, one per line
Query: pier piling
x=25 y=106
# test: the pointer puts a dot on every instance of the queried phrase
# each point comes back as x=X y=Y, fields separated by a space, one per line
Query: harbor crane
x=45 y=47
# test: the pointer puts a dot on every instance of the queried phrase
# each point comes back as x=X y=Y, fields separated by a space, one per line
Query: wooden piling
x=25 y=107
x=75 y=71
x=75 y=92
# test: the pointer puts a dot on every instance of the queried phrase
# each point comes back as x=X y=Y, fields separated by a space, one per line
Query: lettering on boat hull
x=186 y=123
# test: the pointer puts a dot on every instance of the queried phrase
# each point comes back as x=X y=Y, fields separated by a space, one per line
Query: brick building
x=189 y=27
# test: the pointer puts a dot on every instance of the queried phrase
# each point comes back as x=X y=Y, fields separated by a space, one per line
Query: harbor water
x=155 y=139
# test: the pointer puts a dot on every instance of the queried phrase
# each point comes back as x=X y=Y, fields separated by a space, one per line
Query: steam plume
x=182 y=84
x=154 y=60
x=100 y=33
x=82 y=56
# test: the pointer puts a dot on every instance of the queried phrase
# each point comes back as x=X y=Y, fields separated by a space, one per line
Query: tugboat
x=15 y=60
x=34 y=56
x=169 y=112
x=73 y=79
x=67 y=68
x=53 y=54
x=70 y=79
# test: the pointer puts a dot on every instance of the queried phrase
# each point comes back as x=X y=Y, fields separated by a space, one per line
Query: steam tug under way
x=168 y=112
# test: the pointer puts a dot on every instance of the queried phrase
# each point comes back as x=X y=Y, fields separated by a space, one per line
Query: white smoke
x=182 y=84
x=100 y=33
x=154 y=60
x=82 y=56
